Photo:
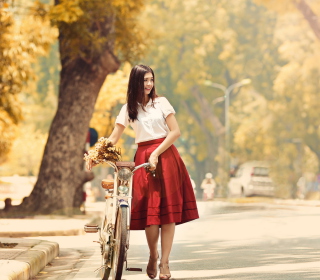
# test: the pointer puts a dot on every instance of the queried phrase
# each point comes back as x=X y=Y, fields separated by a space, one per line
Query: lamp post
x=226 y=99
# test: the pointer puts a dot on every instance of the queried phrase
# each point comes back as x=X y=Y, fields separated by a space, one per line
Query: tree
x=302 y=6
x=181 y=70
x=292 y=127
x=94 y=36
x=27 y=149
x=20 y=44
x=213 y=41
x=225 y=43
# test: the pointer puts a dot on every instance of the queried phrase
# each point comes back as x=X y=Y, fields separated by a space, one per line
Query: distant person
x=233 y=171
x=208 y=185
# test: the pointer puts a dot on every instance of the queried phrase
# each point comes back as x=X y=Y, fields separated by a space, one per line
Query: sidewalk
x=26 y=259
x=21 y=259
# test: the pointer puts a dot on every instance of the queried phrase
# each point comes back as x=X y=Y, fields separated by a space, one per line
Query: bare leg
x=167 y=234
x=152 y=233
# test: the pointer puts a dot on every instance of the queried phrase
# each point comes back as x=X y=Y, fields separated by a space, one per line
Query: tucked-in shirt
x=151 y=122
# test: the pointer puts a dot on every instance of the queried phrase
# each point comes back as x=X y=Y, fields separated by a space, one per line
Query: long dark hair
x=135 y=92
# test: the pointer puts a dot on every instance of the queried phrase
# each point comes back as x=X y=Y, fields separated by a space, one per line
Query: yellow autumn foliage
x=21 y=41
x=86 y=23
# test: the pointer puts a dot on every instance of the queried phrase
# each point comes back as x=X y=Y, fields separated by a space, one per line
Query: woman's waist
x=151 y=142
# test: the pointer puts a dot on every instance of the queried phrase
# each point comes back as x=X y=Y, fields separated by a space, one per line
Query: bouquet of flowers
x=103 y=151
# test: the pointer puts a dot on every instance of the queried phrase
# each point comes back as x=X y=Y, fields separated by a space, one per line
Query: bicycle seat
x=129 y=164
x=107 y=184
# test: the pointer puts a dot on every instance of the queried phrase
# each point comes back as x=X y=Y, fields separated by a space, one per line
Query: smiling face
x=148 y=83
x=141 y=89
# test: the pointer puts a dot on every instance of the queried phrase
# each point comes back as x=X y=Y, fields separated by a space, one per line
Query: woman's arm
x=172 y=136
x=114 y=138
x=116 y=133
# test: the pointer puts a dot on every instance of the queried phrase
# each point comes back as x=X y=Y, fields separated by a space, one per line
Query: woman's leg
x=167 y=234
x=152 y=233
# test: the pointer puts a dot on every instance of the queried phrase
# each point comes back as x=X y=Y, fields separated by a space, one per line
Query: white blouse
x=151 y=123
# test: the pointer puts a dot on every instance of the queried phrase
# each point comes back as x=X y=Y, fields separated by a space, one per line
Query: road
x=229 y=241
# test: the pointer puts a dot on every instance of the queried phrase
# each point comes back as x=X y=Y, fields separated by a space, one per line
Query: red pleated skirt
x=166 y=198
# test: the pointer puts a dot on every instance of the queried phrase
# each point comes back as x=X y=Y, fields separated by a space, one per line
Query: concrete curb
x=30 y=256
x=14 y=270
x=33 y=256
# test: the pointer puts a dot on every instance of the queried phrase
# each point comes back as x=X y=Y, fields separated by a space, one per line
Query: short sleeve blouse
x=151 y=123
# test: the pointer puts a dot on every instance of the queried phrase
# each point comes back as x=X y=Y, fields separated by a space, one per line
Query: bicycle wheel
x=120 y=240
x=105 y=270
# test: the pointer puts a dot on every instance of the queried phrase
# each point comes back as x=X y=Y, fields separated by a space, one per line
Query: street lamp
x=226 y=99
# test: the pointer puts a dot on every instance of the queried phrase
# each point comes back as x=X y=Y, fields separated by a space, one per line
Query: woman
x=167 y=199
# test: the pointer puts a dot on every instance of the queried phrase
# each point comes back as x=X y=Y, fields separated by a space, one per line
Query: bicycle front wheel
x=120 y=240
x=105 y=270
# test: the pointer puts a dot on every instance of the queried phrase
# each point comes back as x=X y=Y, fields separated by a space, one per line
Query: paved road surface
x=230 y=241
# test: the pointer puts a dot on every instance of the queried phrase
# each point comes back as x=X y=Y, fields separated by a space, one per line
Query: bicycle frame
x=117 y=197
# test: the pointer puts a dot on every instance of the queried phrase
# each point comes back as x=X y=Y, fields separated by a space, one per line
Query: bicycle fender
x=123 y=203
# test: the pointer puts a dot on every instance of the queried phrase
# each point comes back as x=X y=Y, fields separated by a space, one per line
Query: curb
x=28 y=258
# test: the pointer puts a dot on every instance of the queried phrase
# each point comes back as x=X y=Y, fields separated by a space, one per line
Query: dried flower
x=103 y=151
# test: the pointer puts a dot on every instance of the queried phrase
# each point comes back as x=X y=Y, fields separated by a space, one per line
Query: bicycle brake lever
x=153 y=171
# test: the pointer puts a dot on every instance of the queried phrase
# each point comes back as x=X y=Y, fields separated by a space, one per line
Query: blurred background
x=242 y=75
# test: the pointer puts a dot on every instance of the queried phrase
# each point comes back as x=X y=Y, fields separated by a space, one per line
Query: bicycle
x=115 y=227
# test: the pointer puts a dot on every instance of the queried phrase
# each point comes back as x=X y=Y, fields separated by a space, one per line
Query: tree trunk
x=210 y=164
x=310 y=16
x=200 y=121
x=207 y=112
x=62 y=174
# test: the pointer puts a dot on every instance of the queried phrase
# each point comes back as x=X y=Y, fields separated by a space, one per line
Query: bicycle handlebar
x=145 y=165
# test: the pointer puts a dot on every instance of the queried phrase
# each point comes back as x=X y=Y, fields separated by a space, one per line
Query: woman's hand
x=90 y=164
x=153 y=160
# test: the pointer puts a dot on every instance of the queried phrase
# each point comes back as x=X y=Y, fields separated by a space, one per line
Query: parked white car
x=252 y=178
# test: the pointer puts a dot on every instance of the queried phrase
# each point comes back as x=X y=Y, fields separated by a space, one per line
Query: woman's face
x=148 y=83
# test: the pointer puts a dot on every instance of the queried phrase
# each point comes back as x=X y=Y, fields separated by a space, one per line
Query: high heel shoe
x=164 y=271
x=152 y=267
